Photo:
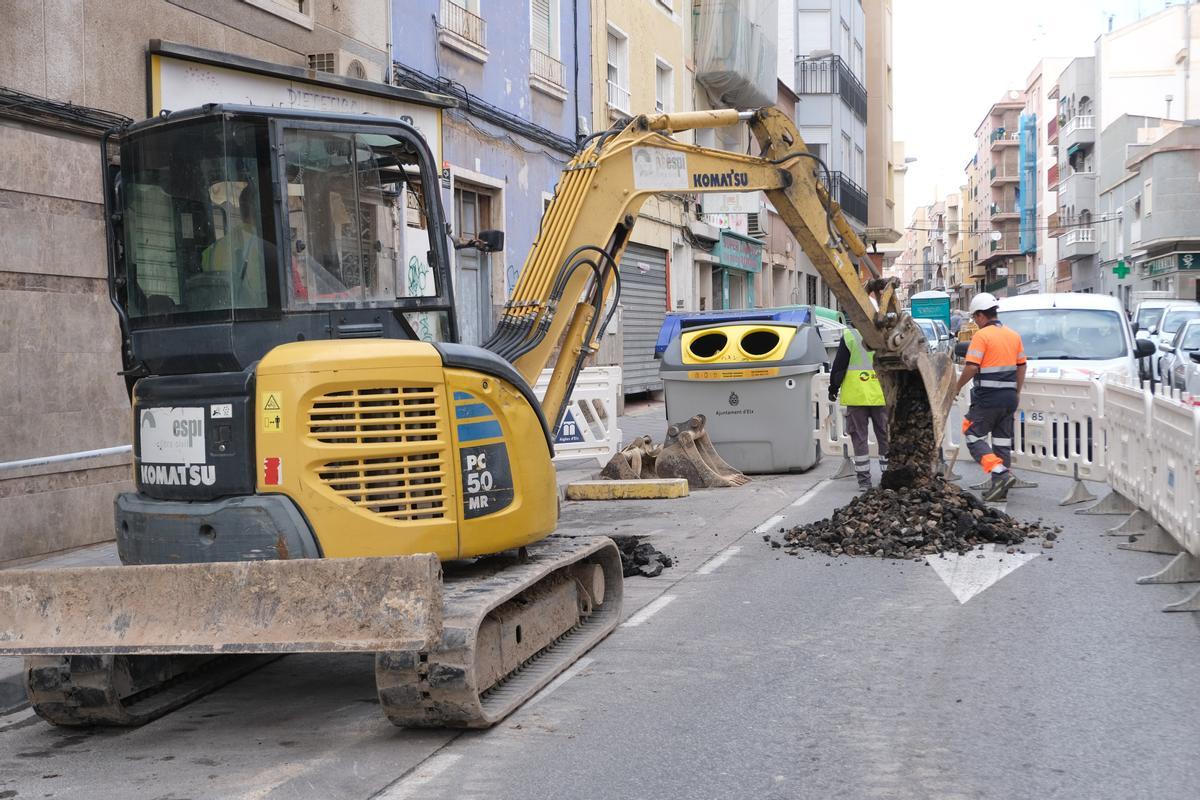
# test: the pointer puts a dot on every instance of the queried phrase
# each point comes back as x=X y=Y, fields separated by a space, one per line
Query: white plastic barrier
x=1127 y=424
x=1174 y=463
x=589 y=426
x=1058 y=428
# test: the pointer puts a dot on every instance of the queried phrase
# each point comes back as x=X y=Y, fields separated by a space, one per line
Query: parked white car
x=1074 y=335
x=1173 y=318
x=937 y=335
x=1177 y=362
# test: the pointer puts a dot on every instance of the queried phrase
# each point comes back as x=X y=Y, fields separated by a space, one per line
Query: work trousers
x=980 y=423
x=857 y=420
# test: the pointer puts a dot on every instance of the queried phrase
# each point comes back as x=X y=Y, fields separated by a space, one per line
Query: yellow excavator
x=319 y=466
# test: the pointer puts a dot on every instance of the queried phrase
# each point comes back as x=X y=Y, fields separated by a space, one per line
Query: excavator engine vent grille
x=402 y=488
x=401 y=414
x=407 y=485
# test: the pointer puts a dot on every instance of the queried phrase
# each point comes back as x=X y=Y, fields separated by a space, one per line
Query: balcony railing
x=849 y=195
x=618 y=98
x=546 y=67
x=997 y=286
x=1052 y=176
x=1004 y=174
x=1001 y=137
x=831 y=75
x=458 y=20
x=1008 y=243
x=1052 y=130
x=1077 y=235
x=1079 y=124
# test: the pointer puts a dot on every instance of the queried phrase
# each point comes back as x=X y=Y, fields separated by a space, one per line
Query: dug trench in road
x=914 y=512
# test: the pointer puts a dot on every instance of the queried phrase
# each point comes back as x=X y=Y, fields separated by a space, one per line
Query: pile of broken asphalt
x=641 y=558
x=910 y=521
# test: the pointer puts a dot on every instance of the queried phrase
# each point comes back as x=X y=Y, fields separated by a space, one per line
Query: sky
x=952 y=60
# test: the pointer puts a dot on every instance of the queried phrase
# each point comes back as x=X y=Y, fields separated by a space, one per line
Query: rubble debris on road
x=927 y=518
x=640 y=557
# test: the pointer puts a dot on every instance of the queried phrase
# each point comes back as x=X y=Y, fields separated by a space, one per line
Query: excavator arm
x=558 y=307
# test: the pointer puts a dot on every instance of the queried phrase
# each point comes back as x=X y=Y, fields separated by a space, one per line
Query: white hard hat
x=983 y=301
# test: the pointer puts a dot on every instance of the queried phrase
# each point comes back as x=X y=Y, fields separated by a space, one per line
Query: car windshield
x=1177 y=316
x=1148 y=317
x=926 y=327
x=1089 y=334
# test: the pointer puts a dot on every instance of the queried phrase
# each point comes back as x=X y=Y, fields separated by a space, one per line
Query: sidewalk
x=642 y=418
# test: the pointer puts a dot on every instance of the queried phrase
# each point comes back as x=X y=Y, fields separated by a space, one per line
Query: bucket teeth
x=688 y=452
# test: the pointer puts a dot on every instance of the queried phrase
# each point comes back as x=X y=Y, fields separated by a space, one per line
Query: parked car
x=1074 y=335
x=1176 y=356
x=1173 y=317
x=1146 y=318
x=937 y=335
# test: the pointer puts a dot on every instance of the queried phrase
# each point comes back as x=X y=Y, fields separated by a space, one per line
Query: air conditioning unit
x=339 y=62
x=754 y=226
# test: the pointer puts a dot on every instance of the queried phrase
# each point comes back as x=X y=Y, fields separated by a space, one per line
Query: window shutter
x=539 y=12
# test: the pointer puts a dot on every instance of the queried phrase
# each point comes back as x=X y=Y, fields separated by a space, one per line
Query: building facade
x=1075 y=175
x=1041 y=111
x=69 y=70
x=998 y=170
x=522 y=75
x=882 y=227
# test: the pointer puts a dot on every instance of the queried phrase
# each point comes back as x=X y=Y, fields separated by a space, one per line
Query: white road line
x=810 y=494
x=410 y=785
x=649 y=611
x=16 y=718
x=578 y=667
x=717 y=560
x=771 y=523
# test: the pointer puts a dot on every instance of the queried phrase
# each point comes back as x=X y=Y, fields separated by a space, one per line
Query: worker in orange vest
x=996 y=363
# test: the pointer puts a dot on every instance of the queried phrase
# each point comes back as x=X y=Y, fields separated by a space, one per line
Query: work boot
x=864 y=482
x=998 y=491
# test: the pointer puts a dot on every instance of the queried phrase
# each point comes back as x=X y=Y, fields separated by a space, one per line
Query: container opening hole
x=759 y=343
x=708 y=345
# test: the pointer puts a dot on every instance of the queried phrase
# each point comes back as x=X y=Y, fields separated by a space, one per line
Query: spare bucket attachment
x=688 y=452
x=304 y=605
x=634 y=461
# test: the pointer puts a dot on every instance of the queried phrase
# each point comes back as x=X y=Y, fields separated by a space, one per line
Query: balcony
x=998 y=286
x=463 y=32
x=546 y=74
x=849 y=195
x=1004 y=173
x=618 y=99
x=1002 y=212
x=1001 y=138
x=1079 y=132
x=1052 y=177
x=1008 y=244
x=1078 y=243
x=831 y=75
x=1077 y=191
x=1052 y=130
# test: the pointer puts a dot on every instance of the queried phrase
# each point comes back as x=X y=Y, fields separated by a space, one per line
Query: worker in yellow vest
x=853 y=377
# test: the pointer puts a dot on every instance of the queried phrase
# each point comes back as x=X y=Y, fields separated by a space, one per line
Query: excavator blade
x=304 y=605
x=688 y=452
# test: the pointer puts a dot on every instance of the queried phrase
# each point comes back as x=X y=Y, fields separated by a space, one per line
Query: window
x=664 y=87
x=859 y=174
x=845 y=165
x=618 y=71
x=812 y=31
x=297 y=11
x=858 y=62
x=543 y=26
x=810 y=289
x=1146 y=195
x=845 y=51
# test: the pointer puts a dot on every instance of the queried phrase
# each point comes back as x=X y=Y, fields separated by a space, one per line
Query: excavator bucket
x=633 y=462
x=688 y=452
x=304 y=605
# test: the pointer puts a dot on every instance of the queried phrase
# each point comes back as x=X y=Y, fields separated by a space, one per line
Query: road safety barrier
x=589 y=426
x=1145 y=444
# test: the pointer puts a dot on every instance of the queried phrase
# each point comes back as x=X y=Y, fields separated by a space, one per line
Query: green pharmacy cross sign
x=1121 y=270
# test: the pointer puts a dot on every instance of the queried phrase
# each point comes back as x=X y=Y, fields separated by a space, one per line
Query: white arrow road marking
x=969 y=575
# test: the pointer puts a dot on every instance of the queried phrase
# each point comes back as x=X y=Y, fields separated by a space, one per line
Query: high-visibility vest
x=861 y=385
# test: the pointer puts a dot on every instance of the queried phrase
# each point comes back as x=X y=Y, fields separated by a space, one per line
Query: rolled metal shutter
x=644 y=307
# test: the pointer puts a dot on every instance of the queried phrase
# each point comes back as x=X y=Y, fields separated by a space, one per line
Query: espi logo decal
x=709 y=180
x=180 y=475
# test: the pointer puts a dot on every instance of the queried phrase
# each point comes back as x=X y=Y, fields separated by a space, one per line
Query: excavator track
x=510 y=625
x=126 y=691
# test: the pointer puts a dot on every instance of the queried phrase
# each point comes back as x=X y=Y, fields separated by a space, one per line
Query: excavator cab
x=236 y=229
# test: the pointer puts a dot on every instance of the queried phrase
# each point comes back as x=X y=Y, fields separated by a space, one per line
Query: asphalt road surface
x=741 y=672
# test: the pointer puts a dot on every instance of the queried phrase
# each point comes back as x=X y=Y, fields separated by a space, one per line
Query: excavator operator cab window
x=352 y=198
x=198 y=245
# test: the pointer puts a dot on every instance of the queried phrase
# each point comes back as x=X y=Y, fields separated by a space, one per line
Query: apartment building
x=1074 y=175
x=881 y=166
x=997 y=176
x=69 y=71
x=1041 y=112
